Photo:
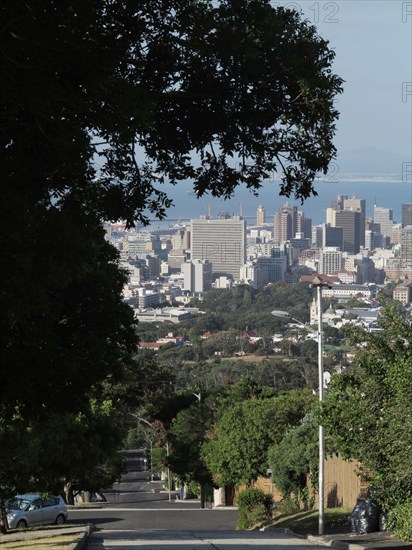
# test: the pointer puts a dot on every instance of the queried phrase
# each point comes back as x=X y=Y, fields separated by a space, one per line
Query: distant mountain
x=371 y=162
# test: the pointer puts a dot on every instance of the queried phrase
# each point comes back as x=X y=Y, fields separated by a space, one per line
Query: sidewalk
x=370 y=541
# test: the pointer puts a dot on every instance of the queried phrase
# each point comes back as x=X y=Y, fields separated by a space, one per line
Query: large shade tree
x=236 y=449
x=101 y=102
x=367 y=411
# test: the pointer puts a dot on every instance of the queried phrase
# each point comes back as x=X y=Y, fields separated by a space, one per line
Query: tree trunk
x=3 y=518
x=68 y=491
x=202 y=495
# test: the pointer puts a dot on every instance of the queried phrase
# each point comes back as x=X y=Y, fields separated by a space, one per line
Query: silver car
x=33 y=509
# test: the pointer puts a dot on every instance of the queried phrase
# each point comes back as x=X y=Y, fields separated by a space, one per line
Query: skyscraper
x=332 y=236
x=406 y=214
x=350 y=221
x=384 y=218
x=197 y=275
x=330 y=260
x=357 y=205
x=221 y=241
x=406 y=247
x=286 y=223
x=260 y=215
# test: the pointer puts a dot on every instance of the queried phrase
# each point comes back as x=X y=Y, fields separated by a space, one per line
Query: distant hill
x=369 y=162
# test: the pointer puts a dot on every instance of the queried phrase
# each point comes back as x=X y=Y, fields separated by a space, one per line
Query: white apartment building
x=221 y=241
x=197 y=275
x=330 y=260
x=263 y=270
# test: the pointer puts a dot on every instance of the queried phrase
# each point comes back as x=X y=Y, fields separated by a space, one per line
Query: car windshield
x=17 y=503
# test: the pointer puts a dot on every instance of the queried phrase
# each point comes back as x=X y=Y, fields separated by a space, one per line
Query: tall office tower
x=406 y=247
x=338 y=204
x=330 y=260
x=197 y=275
x=153 y=266
x=350 y=221
x=221 y=241
x=406 y=214
x=260 y=215
x=396 y=233
x=317 y=235
x=181 y=239
x=331 y=216
x=373 y=239
x=304 y=225
x=285 y=223
x=357 y=205
x=332 y=236
x=384 y=218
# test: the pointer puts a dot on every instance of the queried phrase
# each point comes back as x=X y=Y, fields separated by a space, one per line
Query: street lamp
x=318 y=284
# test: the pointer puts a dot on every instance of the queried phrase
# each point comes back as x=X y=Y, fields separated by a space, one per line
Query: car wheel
x=21 y=524
x=60 y=519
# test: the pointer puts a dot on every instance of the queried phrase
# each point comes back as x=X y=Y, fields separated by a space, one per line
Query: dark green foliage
x=400 y=520
x=254 y=508
x=236 y=451
x=187 y=434
x=295 y=457
x=101 y=102
x=367 y=413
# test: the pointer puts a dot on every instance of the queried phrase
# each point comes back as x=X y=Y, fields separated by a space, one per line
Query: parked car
x=33 y=509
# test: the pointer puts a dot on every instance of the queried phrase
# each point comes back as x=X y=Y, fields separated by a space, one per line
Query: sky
x=373 y=44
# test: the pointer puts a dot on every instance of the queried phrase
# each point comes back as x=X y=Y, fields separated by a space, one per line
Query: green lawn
x=334 y=519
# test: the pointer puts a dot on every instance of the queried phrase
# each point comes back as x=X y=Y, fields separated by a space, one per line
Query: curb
x=335 y=543
x=82 y=539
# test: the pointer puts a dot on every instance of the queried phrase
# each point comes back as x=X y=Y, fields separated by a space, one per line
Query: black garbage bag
x=383 y=521
x=356 y=514
x=365 y=516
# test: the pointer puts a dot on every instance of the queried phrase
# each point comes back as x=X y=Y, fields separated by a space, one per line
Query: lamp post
x=318 y=284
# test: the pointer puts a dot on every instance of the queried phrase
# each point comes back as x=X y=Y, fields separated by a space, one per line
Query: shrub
x=289 y=506
x=254 y=506
x=400 y=520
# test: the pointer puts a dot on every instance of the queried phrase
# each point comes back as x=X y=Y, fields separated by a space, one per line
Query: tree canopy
x=102 y=102
x=247 y=88
x=367 y=411
x=236 y=452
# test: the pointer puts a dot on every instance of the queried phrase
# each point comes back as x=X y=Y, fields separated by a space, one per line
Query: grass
x=60 y=542
x=41 y=537
x=335 y=519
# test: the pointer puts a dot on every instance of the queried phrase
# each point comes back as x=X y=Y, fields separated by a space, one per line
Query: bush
x=254 y=507
x=289 y=506
x=400 y=520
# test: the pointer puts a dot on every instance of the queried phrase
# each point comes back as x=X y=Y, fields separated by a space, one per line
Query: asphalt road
x=138 y=514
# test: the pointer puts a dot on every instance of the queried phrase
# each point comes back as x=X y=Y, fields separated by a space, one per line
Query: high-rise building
x=260 y=215
x=384 y=218
x=221 y=241
x=396 y=233
x=330 y=260
x=197 y=275
x=406 y=214
x=286 y=223
x=350 y=221
x=406 y=247
x=357 y=205
x=317 y=235
x=263 y=270
x=181 y=239
x=332 y=236
x=304 y=225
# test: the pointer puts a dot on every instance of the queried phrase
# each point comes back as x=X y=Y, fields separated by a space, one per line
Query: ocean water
x=384 y=193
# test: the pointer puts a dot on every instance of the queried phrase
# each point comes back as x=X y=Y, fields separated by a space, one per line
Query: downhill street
x=138 y=514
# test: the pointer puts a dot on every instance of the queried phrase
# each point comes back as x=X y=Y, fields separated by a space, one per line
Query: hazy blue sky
x=373 y=44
